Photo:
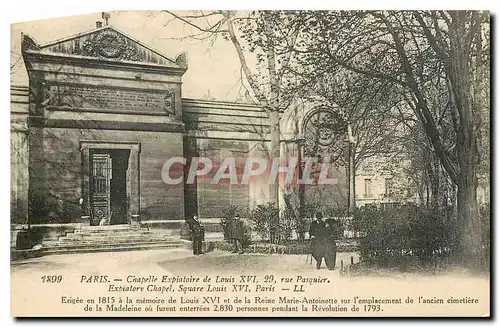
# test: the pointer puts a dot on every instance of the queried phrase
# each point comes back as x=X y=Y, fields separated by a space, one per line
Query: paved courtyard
x=176 y=262
x=179 y=262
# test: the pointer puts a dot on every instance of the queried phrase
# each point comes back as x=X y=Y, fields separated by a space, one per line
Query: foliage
x=274 y=226
x=278 y=227
x=266 y=221
x=293 y=247
x=311 y=208
x=295 y=223
x=395 y=235
x=48 y=208
x=289 y=223
x=228 y=215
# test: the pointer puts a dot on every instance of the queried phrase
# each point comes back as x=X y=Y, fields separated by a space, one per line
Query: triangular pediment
x=111 y=44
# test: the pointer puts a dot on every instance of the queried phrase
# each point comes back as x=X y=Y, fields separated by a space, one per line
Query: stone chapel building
x=102 y=114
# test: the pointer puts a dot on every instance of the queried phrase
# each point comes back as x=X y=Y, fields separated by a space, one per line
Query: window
x=388 y=186
x=368 y=187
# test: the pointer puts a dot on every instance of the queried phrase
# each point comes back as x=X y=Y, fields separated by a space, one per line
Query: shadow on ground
x=229 y=263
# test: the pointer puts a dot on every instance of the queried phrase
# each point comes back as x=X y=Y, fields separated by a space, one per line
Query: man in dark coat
x=332 y=231
x=197 y=234
x=237 y=233
x=318 y=235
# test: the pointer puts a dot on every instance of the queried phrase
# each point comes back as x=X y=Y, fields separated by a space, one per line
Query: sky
x=214 y=70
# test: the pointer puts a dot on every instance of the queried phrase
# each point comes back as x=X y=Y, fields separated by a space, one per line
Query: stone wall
x=218 y=130
x=19 y=154
x=62 y=161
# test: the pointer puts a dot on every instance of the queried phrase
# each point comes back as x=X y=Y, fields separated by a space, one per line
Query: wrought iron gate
x=101 y=175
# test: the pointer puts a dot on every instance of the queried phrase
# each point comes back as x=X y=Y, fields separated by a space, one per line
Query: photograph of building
x=206 y=163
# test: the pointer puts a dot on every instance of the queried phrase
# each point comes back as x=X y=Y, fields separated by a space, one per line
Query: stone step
x=105 y=237
x=132 y=231
x=92 y=243
x=125 y=232
x=86 y=244
x=109 y=248
x=85 y=239
x=107 y=228
x=119 y=241
x=111 y=241
x=111 y=231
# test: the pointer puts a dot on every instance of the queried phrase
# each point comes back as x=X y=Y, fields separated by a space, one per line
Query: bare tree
x=264 y=42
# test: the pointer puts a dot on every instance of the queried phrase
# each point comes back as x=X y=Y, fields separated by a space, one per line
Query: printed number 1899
x=52 y=279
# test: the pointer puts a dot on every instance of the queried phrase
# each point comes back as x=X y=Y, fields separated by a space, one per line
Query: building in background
x=382 y=180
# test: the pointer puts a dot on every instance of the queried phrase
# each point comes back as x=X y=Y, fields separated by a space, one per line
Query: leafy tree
x=427 y=56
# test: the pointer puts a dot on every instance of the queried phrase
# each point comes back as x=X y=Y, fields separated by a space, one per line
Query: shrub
x=46 y=207
x=286 y=227
x=291 y=248
x=269 y=225
x=395 y=234
x=228 y=215
x=310 y=209
x=301 y=227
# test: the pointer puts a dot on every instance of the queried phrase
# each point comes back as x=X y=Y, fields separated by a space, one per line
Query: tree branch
x=244 y=65
x=210 y=29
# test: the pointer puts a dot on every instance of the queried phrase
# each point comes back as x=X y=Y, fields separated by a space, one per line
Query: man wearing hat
x=237 y=234
x=197 y=234
x=318 y=235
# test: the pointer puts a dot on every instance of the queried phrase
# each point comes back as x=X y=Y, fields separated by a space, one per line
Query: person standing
x=237 y=234
x=330 y=245
x=197 y=234
x=318 y=236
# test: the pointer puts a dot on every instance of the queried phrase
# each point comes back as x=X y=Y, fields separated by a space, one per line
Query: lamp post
x=351 y=198
x=301 y=163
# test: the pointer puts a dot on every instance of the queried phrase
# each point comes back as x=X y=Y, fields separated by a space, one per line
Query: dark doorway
x=118 y=197
x=109 y=196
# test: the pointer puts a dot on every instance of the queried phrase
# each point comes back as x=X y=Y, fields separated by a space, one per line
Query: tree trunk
x=274 y=120
x=435 y=183
x=274 y=114
x=427 y=193
x=470 y=230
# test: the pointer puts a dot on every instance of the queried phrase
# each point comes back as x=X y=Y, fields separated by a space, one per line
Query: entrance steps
x=112 y=238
